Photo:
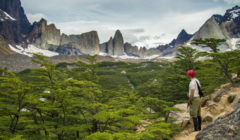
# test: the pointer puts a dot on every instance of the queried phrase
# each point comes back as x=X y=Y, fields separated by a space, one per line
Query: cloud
x=35 y=17
x=229 y=1
x=233 y=1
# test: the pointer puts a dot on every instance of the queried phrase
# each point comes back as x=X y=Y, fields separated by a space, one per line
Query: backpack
x=199 y=90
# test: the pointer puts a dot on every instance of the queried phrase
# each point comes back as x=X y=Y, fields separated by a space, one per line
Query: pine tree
x=223 y=59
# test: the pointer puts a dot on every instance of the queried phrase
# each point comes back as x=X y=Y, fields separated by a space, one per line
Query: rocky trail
x=216 y=108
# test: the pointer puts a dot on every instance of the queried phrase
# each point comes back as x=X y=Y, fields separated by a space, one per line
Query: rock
x=131 y=50
x=115 y=46
x=220 y=92
x=16 y=28
x=4 y=49
x=168 y=49
x=15 y=10
x=182 y=38
x=208 y=118
x=67 y=49
x=210 y=29
x=182 y=117
x=118 y=44
x=226 y=127
x=86 y=43
x=103 y=48
x=43 y=35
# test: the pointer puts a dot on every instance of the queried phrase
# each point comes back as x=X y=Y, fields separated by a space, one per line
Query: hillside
x=215 y=108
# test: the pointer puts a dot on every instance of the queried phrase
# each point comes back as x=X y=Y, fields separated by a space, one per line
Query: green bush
x=231 y=99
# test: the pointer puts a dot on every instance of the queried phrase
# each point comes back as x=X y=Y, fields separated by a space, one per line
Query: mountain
x=210 y=29
x=115 y=46
x=17 y=35
x=182 y=38
x=223 y=27
x=16 y=26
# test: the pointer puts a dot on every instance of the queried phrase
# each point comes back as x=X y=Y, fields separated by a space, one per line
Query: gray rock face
x=15 y=28
x=131 y=50
x=182 y=38
x=110 y=47
x=224 y=128
x=226 y=26
x=4 y=49
x=43 y=35
x=86 y=43
x=118 y=44
x=210 y=29
x=67 y=49
x=15 y=10
x=115 y=46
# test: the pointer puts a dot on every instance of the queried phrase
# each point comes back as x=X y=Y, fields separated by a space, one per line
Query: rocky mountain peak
x=15 y=10
x=232 y=13
x=183 y=37
x=118 y=43
x=218 y=18
x=44 y=35
x=210 y=29
x=118 y=36
x=43 y=21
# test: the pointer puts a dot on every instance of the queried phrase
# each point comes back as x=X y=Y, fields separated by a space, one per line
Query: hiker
x=194 y=100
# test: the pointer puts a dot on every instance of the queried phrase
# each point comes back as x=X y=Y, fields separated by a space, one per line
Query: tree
x=13 y=94
x=186 y=58
x=211 y=43
x=223 y=59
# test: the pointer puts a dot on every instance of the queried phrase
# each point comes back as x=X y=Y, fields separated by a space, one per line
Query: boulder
x=226 y=127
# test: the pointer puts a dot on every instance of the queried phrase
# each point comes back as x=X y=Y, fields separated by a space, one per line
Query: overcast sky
x=142 y=22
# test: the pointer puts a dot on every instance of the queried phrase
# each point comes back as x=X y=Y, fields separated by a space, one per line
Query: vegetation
x=231 y=99
x=108 y=100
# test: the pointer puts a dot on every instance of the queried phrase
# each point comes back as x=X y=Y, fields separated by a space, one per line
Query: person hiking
x=194 y=100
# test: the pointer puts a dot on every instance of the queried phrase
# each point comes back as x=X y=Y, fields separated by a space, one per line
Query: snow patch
x=152 y=57
x=233 y=43
x=126 y=57
x=235 y=13
x=7 y=15
x=168 y=57
x=32 y=49
x=103 y=54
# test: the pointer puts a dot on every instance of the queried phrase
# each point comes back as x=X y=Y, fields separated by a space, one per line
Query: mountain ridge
x=46 y=36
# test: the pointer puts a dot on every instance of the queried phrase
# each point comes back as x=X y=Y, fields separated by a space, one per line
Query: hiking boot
x=199 y=122
x=195 y=123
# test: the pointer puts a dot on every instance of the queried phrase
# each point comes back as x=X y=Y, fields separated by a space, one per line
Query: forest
x=107 y=100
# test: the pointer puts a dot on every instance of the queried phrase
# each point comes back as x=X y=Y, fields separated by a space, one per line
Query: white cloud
x=233 y=1
x=35 y=17
x=229 y=1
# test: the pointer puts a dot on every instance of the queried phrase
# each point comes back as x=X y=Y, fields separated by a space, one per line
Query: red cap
x=191 y=73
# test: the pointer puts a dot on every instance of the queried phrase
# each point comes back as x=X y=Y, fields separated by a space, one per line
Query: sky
x=142 y=22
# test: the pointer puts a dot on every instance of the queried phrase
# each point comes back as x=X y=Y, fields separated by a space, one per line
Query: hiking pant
x=195 y=107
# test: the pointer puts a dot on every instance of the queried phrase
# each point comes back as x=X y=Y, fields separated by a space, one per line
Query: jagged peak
x=232 y=13
x=236 y=7
x=182 y=33
x=218 y=18
x=117 y=33
x=42 y=20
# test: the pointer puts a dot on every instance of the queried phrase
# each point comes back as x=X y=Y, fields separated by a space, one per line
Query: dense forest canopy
x=107 y=100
